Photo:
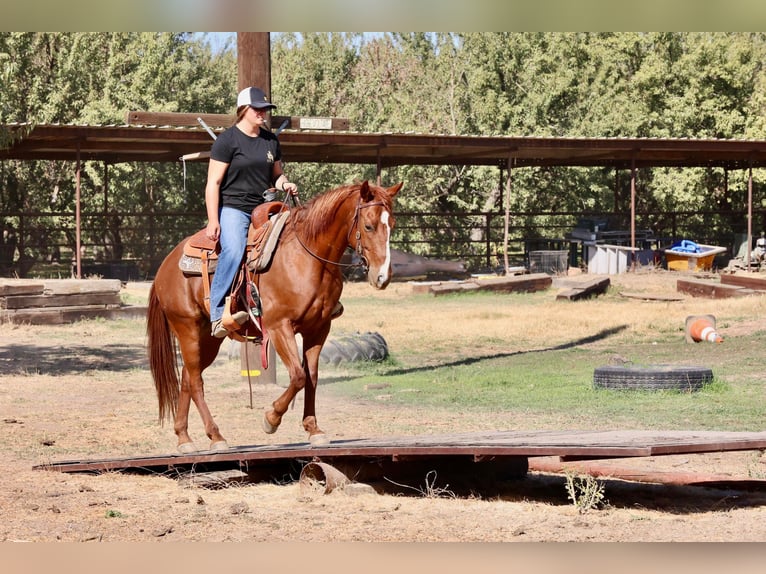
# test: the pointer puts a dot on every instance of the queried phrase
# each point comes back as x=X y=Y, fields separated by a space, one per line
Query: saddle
x=200 y=257
x=200 y=254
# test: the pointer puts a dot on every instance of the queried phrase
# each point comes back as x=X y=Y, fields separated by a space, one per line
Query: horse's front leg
x=317 y=437
x=284 y=342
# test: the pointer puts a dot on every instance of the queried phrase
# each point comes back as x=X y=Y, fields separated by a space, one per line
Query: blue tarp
x=686 y=246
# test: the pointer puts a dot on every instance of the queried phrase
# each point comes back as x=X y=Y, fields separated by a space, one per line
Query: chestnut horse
x=298 y=291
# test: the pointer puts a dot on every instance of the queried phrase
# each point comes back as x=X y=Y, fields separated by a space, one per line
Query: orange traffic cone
x=702 y=328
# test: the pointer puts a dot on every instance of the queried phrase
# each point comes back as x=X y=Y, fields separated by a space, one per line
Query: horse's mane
x=319 y=213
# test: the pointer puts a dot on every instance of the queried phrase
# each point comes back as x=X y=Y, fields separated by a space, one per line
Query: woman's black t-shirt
x=251 y=160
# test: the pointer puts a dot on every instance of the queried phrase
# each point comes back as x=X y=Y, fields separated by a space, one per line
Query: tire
x=652 y=377
x=351 y=348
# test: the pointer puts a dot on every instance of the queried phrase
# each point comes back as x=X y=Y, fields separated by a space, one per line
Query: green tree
x=96 y=78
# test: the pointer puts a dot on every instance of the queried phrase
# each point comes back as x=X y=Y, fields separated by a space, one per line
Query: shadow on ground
x=70 y=359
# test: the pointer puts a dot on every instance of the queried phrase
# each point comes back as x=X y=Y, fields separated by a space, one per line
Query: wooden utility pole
x=254 y=61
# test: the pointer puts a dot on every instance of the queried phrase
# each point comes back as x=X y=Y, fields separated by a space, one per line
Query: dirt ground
x=83 y=391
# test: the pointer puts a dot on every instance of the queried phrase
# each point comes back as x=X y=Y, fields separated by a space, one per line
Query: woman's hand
x=213 y=230
x=290 y=188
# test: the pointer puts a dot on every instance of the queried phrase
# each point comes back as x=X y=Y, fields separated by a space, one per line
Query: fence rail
x=130 y=245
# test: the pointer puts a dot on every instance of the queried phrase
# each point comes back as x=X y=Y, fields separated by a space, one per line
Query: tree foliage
x=96 y=78
x=662 y=84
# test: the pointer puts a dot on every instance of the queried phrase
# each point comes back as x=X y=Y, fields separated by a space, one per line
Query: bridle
x=358 y=236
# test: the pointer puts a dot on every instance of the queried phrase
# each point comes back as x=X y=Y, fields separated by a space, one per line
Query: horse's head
x=374 y=222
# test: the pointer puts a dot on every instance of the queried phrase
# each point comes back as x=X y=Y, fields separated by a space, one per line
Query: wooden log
x=409 y=265
x=607 y=470
x=710 y=289
x=585 y=289
x=756 y=281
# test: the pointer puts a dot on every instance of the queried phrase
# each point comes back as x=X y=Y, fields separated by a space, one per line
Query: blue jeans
x=234 y=225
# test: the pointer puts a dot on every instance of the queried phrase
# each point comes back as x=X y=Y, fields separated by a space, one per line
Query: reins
x=358 y=237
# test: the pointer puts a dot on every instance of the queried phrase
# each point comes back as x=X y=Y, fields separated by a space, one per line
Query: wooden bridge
x=467 y=458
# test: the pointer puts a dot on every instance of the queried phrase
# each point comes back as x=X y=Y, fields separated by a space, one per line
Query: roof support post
x=633 y=212
x=749 y=215
x=506 y=224
x=106 y=188
x=77 y=217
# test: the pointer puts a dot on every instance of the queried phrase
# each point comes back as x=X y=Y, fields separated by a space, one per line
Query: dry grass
x=83 y=391
x=443 y=325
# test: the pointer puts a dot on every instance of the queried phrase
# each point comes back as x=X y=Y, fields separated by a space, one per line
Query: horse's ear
x=364 y=191
x=392 y=191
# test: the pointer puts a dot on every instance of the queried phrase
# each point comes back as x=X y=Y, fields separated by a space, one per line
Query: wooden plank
x=69 y=300
x=228 y=120
x=196 y=156
x=651 y=296
x=59 y=315
x=569 y=443
x=21 y=287
x=515 y=284
x=450 y=288
x=710 y=289
x=585 y=289
x=70 y=286
x=518 y=283
x=179 y=119
x=756 y=281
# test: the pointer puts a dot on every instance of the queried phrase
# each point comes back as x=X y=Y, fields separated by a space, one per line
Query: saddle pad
x=193 y=265
x=262 y=252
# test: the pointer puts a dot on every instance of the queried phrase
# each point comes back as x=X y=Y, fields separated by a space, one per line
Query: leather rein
x=358 y=237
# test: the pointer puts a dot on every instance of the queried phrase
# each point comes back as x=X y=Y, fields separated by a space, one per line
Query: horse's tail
x=162 y=358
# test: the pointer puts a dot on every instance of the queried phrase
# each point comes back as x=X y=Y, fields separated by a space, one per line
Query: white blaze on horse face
x=384 y=273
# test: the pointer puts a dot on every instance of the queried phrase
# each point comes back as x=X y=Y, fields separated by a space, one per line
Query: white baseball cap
x=254 y=97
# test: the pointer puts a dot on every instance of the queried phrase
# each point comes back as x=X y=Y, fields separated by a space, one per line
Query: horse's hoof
x=319 y=439
x=219 y=445
x=187 y=448
x=268 y=428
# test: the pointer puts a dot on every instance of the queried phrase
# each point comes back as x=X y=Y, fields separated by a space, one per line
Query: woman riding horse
x=299 y=291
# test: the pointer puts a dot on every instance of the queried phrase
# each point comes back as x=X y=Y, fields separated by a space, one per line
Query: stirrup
x=219 y=330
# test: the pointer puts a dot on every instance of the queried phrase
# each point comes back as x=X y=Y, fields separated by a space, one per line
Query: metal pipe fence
x=131 y=245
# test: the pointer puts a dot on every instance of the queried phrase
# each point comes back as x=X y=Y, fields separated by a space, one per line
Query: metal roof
x=126 y=143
